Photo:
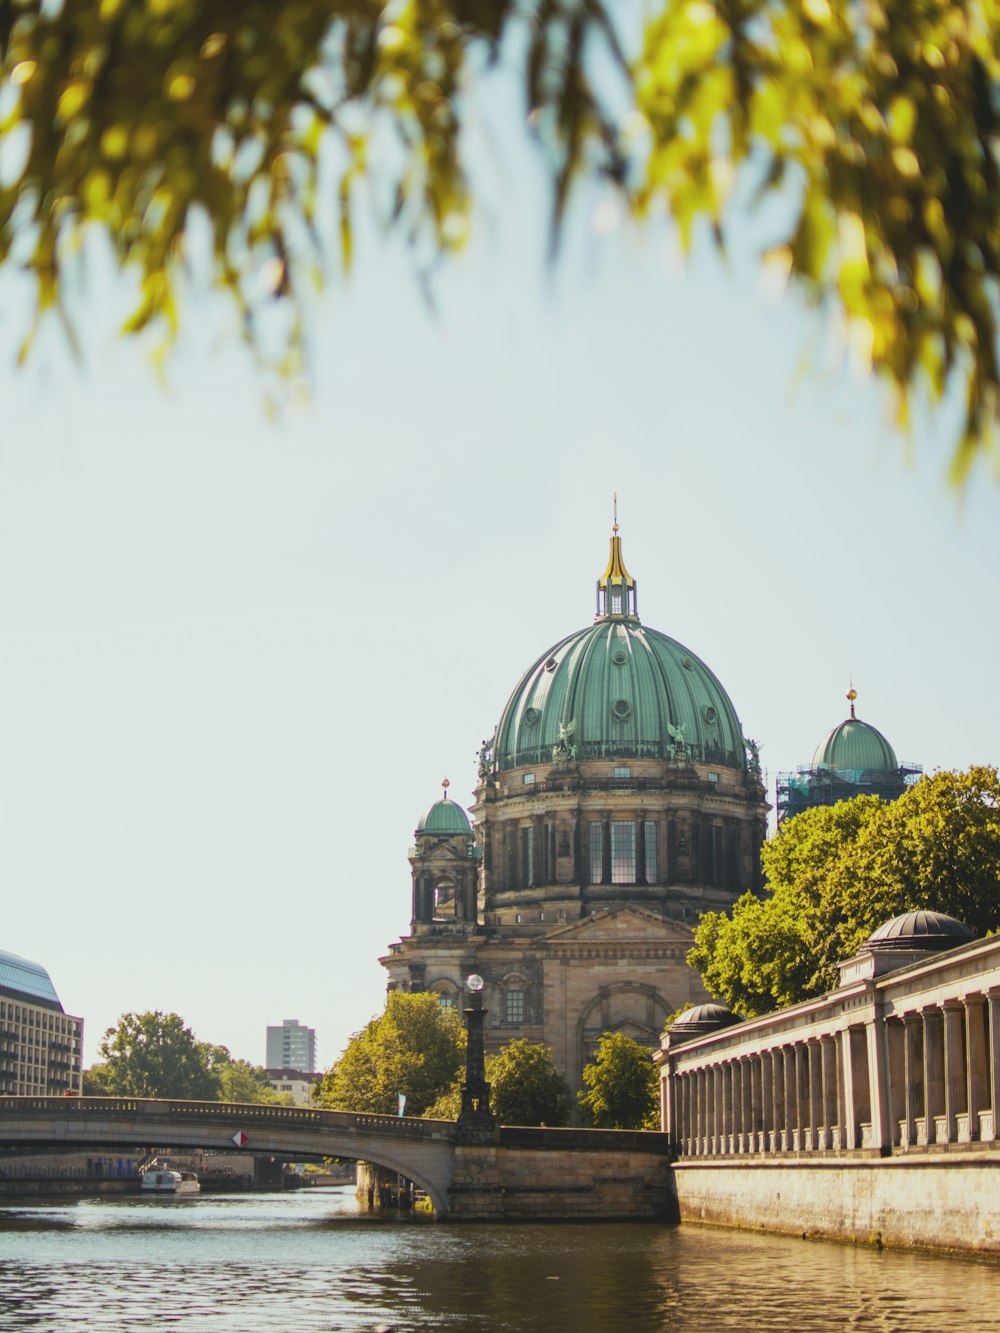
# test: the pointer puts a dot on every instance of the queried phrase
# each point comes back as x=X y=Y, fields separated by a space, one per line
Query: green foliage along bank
x=623 y=1085
x=525 y=1088
x=156 y=1055
x=836 y=873
x=415 y=1048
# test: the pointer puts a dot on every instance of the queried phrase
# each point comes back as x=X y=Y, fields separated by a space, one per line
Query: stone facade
x=815 y=1104
x=616 y=802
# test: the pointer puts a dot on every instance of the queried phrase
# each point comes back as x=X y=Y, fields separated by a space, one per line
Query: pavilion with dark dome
x=616 y=801
x=854 y=759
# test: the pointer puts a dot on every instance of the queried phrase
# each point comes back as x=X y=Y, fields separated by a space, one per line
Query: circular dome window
x=688 y=664
x=531 y=716
x=710 y=714
x=619 y=657
x=551 y=664
x=621 y=710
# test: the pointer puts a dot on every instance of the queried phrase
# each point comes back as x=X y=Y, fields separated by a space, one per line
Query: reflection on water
x=310 y=1261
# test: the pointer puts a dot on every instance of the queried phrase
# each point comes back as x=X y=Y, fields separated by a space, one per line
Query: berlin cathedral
x=617 y=800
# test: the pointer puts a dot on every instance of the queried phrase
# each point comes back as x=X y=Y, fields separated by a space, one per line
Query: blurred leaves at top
x=242 y=131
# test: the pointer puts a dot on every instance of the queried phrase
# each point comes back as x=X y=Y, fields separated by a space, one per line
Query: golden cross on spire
x=445 y=784
x=615 y=526
x=852 y=694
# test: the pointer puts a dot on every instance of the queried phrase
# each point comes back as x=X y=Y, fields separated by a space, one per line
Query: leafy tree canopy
x=836 y=873
x=525 y=1088
x=415 y=1047
x=240 y=1081
x=230 y=138
x=623 y=1085
x=154 y=1055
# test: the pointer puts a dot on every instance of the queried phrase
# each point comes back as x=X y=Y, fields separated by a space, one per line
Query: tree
x=622 y=1086
x=836 y=873
x=525 y=1088
x=95 y=1081
x=415 y=1047
x=240 y=1081
x=155 y=1055
x=234 y=138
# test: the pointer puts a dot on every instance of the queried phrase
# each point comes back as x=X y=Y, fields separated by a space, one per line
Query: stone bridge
x=515 y=1173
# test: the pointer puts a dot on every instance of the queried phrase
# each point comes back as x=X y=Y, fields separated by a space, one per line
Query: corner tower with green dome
x=616 y=802
x=854 y=759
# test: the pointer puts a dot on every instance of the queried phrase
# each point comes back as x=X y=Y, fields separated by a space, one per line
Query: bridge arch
x=421 y=1150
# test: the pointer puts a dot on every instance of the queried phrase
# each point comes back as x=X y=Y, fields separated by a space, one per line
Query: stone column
x=828 y=1089
x=896 y=1097
x=778 y=1097
x=815 y=1092
x=913 y=1075
x=878 y=1083
x=993 y=996
x=756 y=1123
x=977 y=1070
x=791 y=1096
x=954 y=1067
x=747 y=1109
x=857 y=1091
x=766 y=1099
x=720 y=1093
x=671 y=1094
x=933 y=1069
x=802 y=1091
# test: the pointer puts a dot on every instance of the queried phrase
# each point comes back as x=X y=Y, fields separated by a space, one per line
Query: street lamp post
x=475 y=1119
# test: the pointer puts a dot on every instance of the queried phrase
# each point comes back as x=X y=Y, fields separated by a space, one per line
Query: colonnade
x=885 y=1080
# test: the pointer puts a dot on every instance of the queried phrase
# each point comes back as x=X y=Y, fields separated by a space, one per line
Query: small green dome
x=855 y=746
x=444 y=818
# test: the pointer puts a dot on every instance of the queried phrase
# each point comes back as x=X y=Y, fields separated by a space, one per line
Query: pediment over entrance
x=620 y=924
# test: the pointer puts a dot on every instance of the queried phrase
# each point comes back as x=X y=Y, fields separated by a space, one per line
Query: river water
x=311 y=1261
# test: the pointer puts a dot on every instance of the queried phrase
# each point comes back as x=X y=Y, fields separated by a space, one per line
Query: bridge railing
x=237 y=1112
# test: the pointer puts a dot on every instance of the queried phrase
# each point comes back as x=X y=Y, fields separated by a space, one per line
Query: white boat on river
x=160 y=1180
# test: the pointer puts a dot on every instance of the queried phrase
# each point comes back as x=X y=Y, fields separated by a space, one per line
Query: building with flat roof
x=40 y=1044
x=291 y=1046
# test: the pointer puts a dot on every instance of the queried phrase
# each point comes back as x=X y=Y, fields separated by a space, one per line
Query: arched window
x=445 y=900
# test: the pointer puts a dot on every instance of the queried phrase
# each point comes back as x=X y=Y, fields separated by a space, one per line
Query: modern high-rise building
x=40 y=1044
x=291 y=1046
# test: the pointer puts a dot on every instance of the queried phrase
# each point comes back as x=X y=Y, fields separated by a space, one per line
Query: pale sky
x=239 y=655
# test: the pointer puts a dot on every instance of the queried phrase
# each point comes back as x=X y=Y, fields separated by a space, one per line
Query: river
x=311 y=1261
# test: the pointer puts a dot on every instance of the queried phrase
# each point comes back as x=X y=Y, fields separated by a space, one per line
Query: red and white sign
x=241 y=1139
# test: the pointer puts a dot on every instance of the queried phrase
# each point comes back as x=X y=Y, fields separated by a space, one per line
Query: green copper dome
x=444 y=818
x=855 y=746
x=617 y=690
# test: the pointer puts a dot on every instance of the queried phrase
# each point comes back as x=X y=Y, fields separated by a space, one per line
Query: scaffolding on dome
x=808 y=787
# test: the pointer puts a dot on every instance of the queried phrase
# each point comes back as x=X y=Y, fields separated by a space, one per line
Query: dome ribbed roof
x=619 y=690
x=444 y=817
x=700 y=1020
x=855 y=746
x=932 y=931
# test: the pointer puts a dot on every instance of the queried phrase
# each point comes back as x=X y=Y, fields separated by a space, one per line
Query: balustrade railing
x=244 y=1113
